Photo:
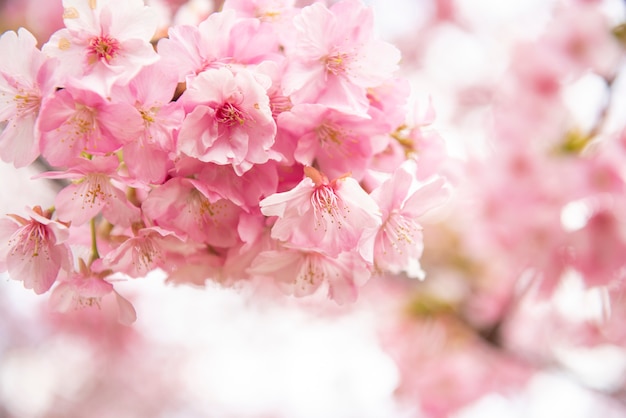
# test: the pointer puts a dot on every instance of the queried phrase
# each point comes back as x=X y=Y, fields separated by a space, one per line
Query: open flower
x=301 y=273
x=149 y=150
x=25 y=79
x=403 y=200
x=192 y=210
x=36 y=249
x=93 y=193
x=85 y=289
x=221 y=39
x=231 y=121
x=337 y=142
x=322 y=215
x=104 y=41
x=336 y=57
x=76 y=120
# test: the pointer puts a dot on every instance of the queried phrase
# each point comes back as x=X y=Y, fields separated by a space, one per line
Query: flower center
x=328 y=134
x=26 y=102
x=229 y=115
x=336 y=64
x=103 y=47
x=146 y=253
x=326 y=204
x=33 y=239
x=400 y=231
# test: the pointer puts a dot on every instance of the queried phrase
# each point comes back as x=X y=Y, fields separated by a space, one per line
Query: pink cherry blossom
x=266 y=10
x=402 y=201
x=148 y=250
x=222 y=39
x=85 y=289
x=25 y=79
x=75 y=121
x=336 y=142
x=243 y=190
x=191 y=209
x=150 y=151
x=34 y=250
x=301 y=273
x=93 y=193
x=230 y=121
x=322 y=215
x=336 y=57
x=104 y=42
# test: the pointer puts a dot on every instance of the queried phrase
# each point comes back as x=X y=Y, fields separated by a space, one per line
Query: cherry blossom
x=402 y=200
x=34 y=250
x=85 y=289
x=231 y=121
x=326 y=216
x=336 y=57
x=222 y=39
x=301 y=273
x=191 y=209
x=161 y=118
x=93 y=192
x=104 y=42
x=24 y=81
x=338 y=143
x=75 y=121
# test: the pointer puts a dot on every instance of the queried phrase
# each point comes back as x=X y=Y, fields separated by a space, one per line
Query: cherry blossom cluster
x=267 y=141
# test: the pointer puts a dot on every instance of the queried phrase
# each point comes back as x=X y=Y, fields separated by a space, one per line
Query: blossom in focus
x=34 y=250
x=93 y=192
x=150 y=150
x=221 y=40
x=104 y=41
x=25 y=79
x=193 y=210
x=75 y=121
x=230 y=121
x=339 y=143
x=403 y=200
x=301 y=273
x=325 y=216
x=336 y=57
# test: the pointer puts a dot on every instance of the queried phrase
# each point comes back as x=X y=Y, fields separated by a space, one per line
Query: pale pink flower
x=243 y=190
x=150 y=151
x=222 y=39
x=148 y=250
x=93 y=192
x=301 y=273
x=265 y=10
x=191 y=209
x=34 y=250
x=402 y=201
x=195 y=269
x=388 y=102
x=338 y=143
x=230 y=120
x=85 y=289
x=25 y=79
x=275 y=13
x=336 y=57
x=326 y=216
x=75 y=121
x=104 y=41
